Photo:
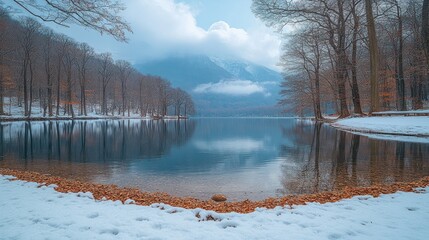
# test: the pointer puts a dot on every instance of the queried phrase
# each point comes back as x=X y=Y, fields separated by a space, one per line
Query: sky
x=162 y=28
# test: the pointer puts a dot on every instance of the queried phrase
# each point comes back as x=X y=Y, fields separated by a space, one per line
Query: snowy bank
x=398 y=125
x=32 y=212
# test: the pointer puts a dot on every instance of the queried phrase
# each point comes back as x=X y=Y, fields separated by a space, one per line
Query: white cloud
x=232 y=87
x=166 y=27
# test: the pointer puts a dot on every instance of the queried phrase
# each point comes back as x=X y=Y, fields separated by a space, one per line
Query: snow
x=31 y=211
x=403 y=112
x=15 y=112
x=397 y=125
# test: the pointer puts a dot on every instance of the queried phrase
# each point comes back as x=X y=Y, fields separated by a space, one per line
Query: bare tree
x=3 y=52
x=28 y=45
x=329 y=15
x=162 y=93
x=398 y=45
x=418 y=70
x=124 y=70
x=178 y=98
x=48 y=45
x=357 y=108
x=304 y=59
x=85 y=53
x=148 y=95
x=425 y=28
x=105 y=73
x=101 y=15
x=42 y=65
x=373 y=52
x=62 y=42
x=68 y=62
x=189 y=106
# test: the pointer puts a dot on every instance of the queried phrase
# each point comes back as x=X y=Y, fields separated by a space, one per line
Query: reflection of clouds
x=234 y=87
x=231 y=145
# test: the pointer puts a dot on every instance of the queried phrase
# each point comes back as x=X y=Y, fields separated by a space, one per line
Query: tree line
x=39 y=67
x=359 y=55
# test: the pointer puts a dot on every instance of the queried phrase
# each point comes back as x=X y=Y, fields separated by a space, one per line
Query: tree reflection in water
x=54 y=143
x=260 y=157
x=327 y=159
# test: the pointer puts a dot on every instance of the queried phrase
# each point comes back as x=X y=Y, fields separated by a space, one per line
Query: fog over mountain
x=221 y=87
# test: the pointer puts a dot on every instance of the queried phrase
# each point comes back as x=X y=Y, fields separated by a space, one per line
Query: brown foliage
x=113 y=192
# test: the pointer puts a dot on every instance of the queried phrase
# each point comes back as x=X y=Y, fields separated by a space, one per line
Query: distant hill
x=221 y=87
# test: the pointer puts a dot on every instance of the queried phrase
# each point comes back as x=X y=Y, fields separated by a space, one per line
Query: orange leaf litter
x=113 y=192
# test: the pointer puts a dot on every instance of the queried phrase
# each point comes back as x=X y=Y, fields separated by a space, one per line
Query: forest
x=60 y=76
x=348 y=57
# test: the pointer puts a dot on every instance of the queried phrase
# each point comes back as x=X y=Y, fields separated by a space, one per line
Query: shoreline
x=368 y=131
x=407 y=126
x=113 y=192
x=82 y=118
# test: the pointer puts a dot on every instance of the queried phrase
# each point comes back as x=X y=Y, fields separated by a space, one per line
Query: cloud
x=166 y=27
x=232 y=87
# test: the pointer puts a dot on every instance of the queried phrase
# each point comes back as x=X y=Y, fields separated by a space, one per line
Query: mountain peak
x=217 y=84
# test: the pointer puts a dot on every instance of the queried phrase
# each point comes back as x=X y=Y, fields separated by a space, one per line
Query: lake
x=243 y=158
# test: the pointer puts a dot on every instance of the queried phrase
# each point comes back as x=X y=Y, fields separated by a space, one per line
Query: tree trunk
x=1 y=97
x=373 y=52
x=123 y=96
x=1 y=87
x=318 y=110
x=25 y=87
x=400 y=84
x=357 y=108
x=341 y=64
x=141 y=98
x=82 y=93
x=417 y=91
x=49 y=92
x=58 y=86
x=69 y=105
x=31 y=88
x=104 y=103
x=425 y=28
x=84 y=100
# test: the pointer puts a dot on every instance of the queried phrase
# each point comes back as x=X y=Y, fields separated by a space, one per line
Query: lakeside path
x=37 y=211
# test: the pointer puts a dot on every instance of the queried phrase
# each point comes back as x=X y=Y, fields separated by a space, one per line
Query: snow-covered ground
x=14 y=111
x=397 y=125
x=404 y=112
x=31 y=212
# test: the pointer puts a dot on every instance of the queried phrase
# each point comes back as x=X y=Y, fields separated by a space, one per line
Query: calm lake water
x=240 y=157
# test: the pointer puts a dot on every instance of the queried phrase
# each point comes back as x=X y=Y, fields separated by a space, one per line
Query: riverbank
x=392 y=125
x=115 y=193
x=89 y=117
x=37 y=211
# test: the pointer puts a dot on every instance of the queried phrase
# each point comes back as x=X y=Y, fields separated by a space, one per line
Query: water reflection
x=233 y=145
x=97 y=141
x=242 y=158
x=330 y=160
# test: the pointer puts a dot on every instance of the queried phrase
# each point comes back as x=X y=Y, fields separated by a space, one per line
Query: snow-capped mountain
x=221 y=87
x=247 y=70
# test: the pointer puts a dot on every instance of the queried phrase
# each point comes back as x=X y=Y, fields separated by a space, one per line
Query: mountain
x=221 y=87
x=247 y=70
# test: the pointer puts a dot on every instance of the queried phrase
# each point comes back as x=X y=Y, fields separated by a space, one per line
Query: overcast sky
x=223 y=28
